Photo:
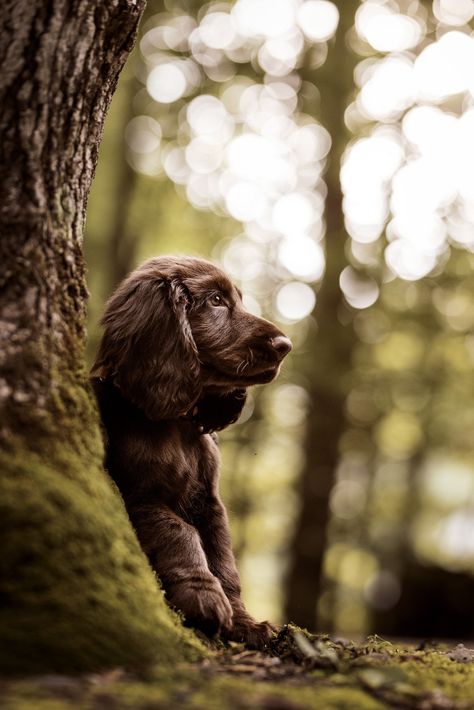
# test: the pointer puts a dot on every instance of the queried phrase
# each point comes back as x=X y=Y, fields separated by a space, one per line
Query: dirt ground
x=298 y=671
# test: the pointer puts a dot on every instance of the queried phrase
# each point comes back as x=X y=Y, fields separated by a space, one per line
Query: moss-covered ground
x=299 y=671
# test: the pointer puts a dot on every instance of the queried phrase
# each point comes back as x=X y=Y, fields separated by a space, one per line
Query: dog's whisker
x=242 y=366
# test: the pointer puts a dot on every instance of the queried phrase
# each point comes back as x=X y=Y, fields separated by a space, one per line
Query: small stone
x=461 y=654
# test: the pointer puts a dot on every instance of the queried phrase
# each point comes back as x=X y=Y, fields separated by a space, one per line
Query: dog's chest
x=200 y=473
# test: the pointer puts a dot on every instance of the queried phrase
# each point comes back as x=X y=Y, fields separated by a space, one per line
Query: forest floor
x=300 y=671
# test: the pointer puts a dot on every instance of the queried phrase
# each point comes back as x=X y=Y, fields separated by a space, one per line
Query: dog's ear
x=213 y=412
x=148 y=350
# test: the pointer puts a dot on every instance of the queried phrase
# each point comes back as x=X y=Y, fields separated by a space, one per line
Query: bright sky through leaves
x=245 y=148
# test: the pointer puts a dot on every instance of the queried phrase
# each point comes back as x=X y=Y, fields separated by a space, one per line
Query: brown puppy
x=176 y=357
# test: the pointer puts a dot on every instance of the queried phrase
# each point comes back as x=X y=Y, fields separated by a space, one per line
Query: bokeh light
x=246 y=149
x=445 y=67
x=453 y=12
x=294 y=301
x=318 y=19
x=385 y=28
x=166 y=82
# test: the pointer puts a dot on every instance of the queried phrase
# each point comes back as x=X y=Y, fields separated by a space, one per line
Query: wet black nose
x=282 y=345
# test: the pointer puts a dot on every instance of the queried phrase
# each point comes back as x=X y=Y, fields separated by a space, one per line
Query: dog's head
x=178 y=342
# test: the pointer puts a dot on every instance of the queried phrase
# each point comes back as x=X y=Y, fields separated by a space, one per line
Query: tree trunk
x=329 y=351
x=76 y=590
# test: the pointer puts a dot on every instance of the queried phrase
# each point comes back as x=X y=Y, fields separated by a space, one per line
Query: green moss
x=431 y=670
x=76 y=590
x=403 y=675
x=187 y=688
x=368 y=676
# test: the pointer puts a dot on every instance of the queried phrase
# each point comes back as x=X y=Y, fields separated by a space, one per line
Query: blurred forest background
x=323 y=153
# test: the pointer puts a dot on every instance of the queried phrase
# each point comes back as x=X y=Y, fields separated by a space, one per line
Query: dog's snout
x=282 y=345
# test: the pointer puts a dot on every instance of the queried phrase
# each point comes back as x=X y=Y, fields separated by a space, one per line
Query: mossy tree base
x=77 y=592
x=300 y=672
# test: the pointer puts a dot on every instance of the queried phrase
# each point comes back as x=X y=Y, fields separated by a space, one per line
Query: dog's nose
x=282 y=345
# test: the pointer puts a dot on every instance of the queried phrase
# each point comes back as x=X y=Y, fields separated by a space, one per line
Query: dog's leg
x=217 y=543
x=176 y=554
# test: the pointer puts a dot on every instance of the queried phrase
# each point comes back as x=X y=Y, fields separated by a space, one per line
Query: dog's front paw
x=204 y=605
x=252 y=633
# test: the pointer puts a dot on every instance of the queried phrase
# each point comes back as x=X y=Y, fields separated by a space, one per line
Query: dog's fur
x=176 y=357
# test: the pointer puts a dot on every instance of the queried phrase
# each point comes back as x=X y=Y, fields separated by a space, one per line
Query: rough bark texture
x=76 y=590
x=329 y=351
x=61 y=61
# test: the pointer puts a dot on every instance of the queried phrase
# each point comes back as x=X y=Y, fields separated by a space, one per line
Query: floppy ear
x=213 y=412
x=148 y=349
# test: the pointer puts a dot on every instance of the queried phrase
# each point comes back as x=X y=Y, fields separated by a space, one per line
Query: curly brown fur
x=177 y=354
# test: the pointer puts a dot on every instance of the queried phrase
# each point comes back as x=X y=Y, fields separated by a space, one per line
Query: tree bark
x=328 y=352
x=76 y=590
x=62 y=62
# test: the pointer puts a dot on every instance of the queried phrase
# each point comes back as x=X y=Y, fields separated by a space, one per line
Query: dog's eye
x=216 y=300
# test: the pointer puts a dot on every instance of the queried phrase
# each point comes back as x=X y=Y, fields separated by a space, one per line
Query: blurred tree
x=328 y=350
x=432 y=604
x=118 y=231
x=76 y=589
x=123 y=242
x=425 y=393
